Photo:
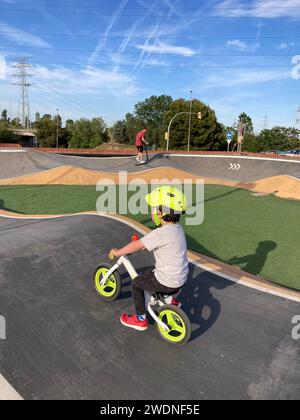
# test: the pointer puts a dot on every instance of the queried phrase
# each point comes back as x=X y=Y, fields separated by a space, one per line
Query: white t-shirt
x=170 y=251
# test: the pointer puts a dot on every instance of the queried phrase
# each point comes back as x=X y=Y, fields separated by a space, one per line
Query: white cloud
x=259 y=8
x=286 y=45
x=163 y=48
x=154 y=62
x=249 y=77
x=88 y=81
x=2 y=68
x=236 y=44
x=22 y=37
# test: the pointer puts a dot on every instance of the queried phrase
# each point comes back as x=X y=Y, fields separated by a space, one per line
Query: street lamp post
x=199 y=116
x=190 y=123
x=57 y=113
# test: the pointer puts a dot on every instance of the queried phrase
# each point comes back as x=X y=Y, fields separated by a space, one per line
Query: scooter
x=172 y=323
x=144 y=162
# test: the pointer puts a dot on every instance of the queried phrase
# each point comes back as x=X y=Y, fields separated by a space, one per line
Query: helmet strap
x=156 y=219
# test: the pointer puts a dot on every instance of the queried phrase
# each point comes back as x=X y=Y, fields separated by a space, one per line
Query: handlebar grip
x=111 y=256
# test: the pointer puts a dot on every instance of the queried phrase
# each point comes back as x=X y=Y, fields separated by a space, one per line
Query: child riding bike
x=170 y=251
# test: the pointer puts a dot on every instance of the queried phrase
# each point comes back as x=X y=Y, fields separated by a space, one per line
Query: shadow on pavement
x=254 y=263
x=198 y=300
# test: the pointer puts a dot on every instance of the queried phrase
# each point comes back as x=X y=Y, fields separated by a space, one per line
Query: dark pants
x=147 y=283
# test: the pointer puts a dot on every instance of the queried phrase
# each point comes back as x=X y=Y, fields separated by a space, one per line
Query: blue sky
x=98 y=58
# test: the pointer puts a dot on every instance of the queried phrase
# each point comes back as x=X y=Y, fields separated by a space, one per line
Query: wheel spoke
x=110 y=283
x=170 y=320
x=178 y=328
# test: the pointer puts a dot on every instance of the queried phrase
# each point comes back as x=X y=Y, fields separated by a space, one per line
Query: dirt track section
x=70 y=175
x=64 y=343
x=262 y=176
x=281 y=186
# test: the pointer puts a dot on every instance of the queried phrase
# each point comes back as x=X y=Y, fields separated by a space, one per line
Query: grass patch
x=259 y=234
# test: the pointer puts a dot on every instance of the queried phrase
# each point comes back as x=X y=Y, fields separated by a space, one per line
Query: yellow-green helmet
x=169 y=200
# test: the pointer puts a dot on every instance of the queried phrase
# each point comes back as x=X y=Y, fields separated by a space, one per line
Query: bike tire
x=179 y=323
x=112 y=289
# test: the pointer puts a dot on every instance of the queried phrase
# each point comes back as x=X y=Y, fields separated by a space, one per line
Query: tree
x=16 y=123
x=245 y=119
x=279 y=138
x=107 y=136
x=133 y=126
x=69 y=123
x=87 y=134
x=252 y=143
x=151 y=112
x=46 y=132
x=7 y=136
x=206 y=134
x=4 y=115
x=37 y=120
x=155 y=136
x=119 y=132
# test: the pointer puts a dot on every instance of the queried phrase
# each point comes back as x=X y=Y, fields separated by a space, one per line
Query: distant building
x=28 y=137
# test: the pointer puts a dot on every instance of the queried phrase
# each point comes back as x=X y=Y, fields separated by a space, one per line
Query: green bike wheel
x=178 y=323
x=112 y=288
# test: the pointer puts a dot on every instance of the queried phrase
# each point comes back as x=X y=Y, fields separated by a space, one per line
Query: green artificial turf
x=259 y=234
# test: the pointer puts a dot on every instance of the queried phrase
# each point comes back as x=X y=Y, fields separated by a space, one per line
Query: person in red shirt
x=139 y=142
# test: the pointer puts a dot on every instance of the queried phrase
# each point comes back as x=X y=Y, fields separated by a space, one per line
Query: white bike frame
x=150 y=300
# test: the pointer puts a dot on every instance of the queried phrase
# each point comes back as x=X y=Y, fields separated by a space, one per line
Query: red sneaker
x=132 y=321
x=176 y=302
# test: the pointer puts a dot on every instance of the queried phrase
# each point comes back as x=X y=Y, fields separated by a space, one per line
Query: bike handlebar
x=134 y=238
x=111 y=256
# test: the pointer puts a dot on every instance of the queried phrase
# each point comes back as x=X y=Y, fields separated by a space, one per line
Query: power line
x=191 y=38
x=243 y=8
x=183 y=66
x=187 y=54
x=74 y=4
x=168 y=16
x=55 y=93
x=171 y=65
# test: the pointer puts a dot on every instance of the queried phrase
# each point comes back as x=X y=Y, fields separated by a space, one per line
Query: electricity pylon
x=22 y=77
